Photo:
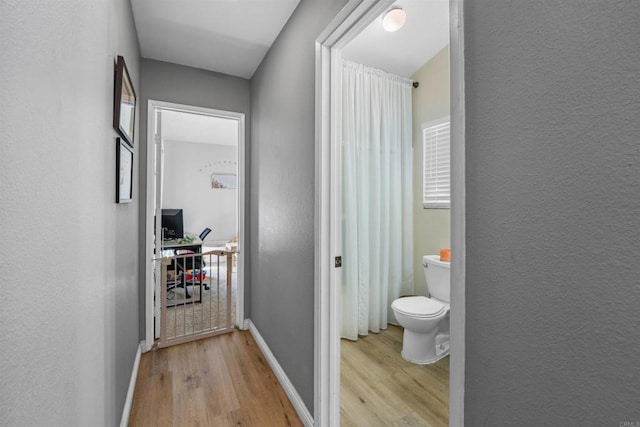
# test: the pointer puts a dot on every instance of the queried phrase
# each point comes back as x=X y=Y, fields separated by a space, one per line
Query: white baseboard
x=245 y=325
x=289 y=389
x=126 y=412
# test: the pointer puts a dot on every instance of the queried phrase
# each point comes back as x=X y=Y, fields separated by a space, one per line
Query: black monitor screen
x=172 y=223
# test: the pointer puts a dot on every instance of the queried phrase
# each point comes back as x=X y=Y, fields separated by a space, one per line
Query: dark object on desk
x=172 y=224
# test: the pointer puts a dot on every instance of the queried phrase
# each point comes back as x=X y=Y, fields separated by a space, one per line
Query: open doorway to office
x=195 y=225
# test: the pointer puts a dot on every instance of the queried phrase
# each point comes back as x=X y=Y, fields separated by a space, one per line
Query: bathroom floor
x=378 y=387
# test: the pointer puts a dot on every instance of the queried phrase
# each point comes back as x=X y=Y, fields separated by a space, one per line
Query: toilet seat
x=418 y=306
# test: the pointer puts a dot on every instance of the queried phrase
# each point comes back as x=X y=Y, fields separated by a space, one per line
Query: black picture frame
x=124 y=172
x=124 y=102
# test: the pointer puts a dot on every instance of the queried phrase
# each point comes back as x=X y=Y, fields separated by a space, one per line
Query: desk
x=178 y=244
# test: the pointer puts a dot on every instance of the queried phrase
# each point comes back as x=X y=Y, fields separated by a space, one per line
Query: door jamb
x=149 y=232
x=354 y=17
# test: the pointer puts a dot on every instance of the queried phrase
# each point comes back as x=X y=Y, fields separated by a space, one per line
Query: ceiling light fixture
x=394 y=19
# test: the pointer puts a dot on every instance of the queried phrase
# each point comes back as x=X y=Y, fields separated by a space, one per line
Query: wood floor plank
x=379 y=388
x=190 y=409
x=145 y=367
x=153 y=395
x=269 y=399
x=432 y=381
x=367 y=404
x=218 y=381
x=378 y=364
x=415 y=394
x=412 y=420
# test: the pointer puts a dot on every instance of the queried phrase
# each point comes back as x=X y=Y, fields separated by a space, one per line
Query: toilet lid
x=418 y=306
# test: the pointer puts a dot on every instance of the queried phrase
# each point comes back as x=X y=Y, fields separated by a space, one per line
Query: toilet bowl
x=426 y=320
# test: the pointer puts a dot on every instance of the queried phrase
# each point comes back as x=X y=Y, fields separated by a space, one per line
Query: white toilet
x=426 y=320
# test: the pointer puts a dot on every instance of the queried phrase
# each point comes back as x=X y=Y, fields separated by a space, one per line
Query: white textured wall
x=187 y=185
x=68 y=260
x=552 y=213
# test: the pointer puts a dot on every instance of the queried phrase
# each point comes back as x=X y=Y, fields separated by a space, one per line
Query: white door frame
x=355 y=16
x=149 y=232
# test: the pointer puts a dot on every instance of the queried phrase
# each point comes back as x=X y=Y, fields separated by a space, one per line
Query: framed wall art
x=124 y=102
x=124 y=172
x=226 y=181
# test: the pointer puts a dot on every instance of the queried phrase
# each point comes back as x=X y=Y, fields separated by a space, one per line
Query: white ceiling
x=403 y=52
x=232 y=37
x=198 y=128
x=227 y=36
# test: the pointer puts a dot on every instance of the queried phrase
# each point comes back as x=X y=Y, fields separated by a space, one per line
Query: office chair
x=204 y=233
x=175 y=279
x=180 y=268
x=187 y=264
x=192 y=263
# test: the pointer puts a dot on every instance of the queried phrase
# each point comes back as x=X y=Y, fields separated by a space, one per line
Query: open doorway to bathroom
x=380 y=226
x=394 y=84
x=195 y=172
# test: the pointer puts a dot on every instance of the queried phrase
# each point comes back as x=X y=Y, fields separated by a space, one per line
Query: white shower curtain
x=377 y=194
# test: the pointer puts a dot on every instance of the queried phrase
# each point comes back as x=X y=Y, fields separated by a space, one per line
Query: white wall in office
x=187 y=185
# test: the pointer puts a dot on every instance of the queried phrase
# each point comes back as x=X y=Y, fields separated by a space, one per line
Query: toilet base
x=424 y=348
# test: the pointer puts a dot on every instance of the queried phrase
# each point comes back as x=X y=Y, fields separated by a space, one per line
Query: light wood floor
x=219 y=381
x=379 y=388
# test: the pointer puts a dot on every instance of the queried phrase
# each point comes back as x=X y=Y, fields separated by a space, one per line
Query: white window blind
x=436 y=178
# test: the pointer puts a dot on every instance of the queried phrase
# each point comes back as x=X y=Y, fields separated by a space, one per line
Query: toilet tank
x=438 y=275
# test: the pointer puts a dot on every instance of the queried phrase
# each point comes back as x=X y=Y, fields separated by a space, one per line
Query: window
x=436 y=175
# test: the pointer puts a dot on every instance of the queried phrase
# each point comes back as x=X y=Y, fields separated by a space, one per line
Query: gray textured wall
x=553 y=213
x=163 y=81
x=69 y=316
x=282 y=193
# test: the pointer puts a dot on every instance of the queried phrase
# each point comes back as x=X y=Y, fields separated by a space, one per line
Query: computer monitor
x=172 y=223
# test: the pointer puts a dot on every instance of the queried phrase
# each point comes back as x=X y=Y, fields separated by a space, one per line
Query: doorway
x=353 y=19
x=221 y=173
